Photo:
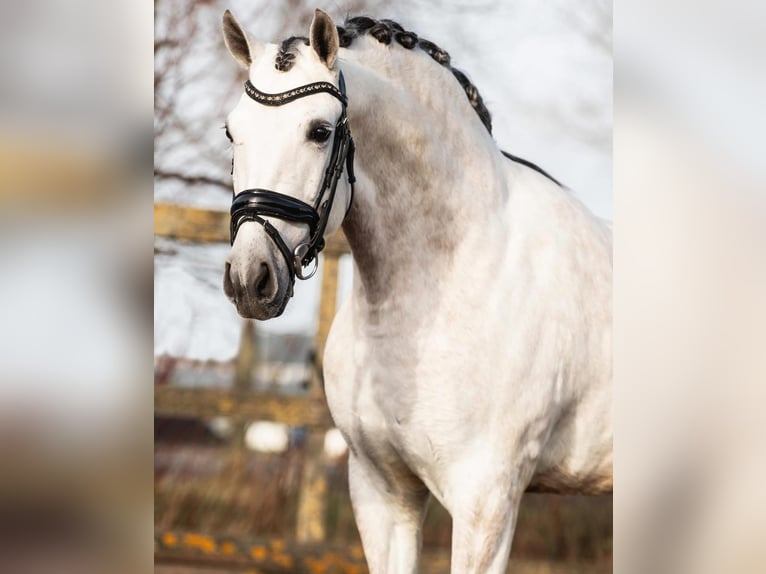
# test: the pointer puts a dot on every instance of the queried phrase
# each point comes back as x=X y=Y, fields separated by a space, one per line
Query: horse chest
x=383 y=401
x=381 y=406
x=388 y=432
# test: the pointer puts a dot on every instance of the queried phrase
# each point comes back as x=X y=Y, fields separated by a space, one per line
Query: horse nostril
x=263 y=282
x=228 y=285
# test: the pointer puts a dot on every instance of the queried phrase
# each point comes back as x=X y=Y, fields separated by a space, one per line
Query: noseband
x=255 y=204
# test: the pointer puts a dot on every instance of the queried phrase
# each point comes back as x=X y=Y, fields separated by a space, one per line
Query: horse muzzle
x=258 y=287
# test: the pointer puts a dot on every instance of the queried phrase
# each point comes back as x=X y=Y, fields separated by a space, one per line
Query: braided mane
x=386 y=31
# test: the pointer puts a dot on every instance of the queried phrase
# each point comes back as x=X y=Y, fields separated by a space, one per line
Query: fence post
x=242 y=384
x=312 y=504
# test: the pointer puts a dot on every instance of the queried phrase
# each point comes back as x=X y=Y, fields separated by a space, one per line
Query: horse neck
x=427 y=171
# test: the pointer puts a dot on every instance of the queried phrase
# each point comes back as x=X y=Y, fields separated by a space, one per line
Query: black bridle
x=255 y=204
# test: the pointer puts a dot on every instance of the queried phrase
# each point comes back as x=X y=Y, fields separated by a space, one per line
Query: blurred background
x=248 y=470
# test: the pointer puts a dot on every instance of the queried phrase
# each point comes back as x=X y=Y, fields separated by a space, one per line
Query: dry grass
x=216 y=490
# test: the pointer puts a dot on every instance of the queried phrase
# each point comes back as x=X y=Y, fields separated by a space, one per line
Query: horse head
x=291 y=143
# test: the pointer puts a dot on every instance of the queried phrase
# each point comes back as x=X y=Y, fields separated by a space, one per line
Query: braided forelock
x=385 y=31
x=286 y=54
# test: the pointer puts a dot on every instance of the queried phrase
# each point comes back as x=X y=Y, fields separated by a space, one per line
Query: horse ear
x=324 y=38
x=239 y=45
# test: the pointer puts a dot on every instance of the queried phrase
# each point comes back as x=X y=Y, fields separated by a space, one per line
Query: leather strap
x=281 y=98
x=276 y=238
x=273 y=204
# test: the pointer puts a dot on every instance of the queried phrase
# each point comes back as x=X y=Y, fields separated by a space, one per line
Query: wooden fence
x=241 y=405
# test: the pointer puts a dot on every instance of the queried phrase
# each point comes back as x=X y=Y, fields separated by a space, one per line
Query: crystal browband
x=294 y=94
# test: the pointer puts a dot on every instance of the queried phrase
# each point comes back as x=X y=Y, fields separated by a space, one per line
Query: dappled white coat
x=473 y=359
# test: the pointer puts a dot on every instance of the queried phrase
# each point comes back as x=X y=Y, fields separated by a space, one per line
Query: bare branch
x=192 y=179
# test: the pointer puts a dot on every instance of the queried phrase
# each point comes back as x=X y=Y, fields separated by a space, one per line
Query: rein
x=255 y=204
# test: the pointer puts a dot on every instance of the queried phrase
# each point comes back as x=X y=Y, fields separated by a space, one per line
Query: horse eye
x=319 y=134
x=228 y=134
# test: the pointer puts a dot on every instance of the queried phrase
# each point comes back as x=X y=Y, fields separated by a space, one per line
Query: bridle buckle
x=298 y=255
